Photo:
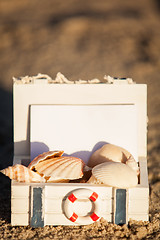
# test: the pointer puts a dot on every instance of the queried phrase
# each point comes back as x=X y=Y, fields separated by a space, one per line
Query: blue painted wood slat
x=120 y=212
x=37 y=216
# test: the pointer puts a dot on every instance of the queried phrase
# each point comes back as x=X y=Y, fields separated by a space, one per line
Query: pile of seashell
x=110 y=165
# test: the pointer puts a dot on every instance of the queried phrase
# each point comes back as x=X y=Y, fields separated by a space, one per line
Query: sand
x=81 y=39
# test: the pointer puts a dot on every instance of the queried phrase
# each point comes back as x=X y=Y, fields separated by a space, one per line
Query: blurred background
x=81 y=39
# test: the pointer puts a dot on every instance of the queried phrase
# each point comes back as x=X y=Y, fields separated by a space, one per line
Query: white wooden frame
x=27 y=94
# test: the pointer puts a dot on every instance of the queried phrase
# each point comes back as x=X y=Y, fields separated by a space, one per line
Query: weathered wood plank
x=143 y=172
x=37 y=207
x=20 y=205
x=64 y=189
x=120 y=206
x=20 y=219
x=19 y=191
x=138 y=206
x=53 y=205
x=60 y=219
x=138 y=193
x=138 y=217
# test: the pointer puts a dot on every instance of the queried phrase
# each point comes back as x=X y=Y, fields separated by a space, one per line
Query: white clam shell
x=114 y=174
x=21 y=173
x=113 y=153
x=60 y=169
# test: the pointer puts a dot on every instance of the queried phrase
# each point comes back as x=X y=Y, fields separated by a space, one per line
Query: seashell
x=131 y=162
x=107 y=153
x=112 y=153
x=114 y=174
x=21 y=173
x=59 y=169
x=44 y=156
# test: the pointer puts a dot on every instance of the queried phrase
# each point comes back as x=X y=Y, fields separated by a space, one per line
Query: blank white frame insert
x=79 y=130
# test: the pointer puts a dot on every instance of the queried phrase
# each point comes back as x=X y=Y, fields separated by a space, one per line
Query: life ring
x=68 y=206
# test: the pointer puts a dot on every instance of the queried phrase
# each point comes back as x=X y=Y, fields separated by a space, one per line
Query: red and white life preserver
x=86 y=193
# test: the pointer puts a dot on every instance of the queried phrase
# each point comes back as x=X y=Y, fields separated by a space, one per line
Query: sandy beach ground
x=81 y=39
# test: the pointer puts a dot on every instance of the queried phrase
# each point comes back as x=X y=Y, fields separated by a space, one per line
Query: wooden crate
x=41 y=204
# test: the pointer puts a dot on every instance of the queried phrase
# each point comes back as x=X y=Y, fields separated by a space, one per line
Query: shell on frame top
x=114 y=174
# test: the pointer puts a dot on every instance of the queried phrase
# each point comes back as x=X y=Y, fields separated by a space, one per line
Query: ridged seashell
x=112 y=153
x=21 y=173
x=131 y=162
x=114 y=174
x=59 y=169
x=44 y=156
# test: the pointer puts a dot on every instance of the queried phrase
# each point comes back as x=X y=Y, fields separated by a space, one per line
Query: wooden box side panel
x=54 y=203
x=53 y=199
x=20 y=204
x=55 y=194
x=143 y=172
x=138 y=197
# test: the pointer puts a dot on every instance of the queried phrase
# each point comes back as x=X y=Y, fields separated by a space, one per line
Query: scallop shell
x=44 y=156
x=114 y=174
x=113 y=153
x=21 y=173
x=59 y=169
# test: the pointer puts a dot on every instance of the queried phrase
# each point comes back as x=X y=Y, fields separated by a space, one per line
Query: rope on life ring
x=68 y=205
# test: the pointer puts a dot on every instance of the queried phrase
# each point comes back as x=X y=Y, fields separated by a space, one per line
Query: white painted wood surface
x=51 y=188
x=54 y=205
x=19 y=190
x=87 y=94
x=20 y=219
x=138 y=217
x=51 y=219
x=138 y=204
x=55 y=194
x=20 y=205
x=54 y=197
